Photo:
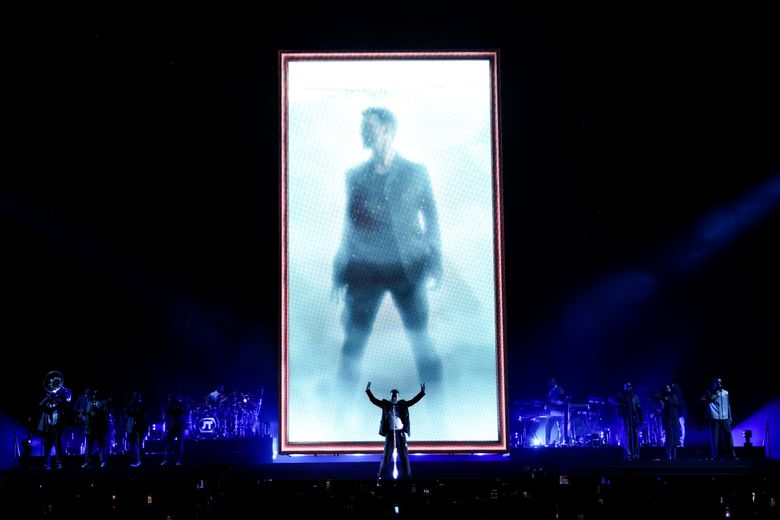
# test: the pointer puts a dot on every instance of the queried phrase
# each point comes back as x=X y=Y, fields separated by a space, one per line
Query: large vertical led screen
x=391 y=250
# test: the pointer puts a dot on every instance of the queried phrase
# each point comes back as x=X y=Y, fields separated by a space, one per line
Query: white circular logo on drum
x=207 y=425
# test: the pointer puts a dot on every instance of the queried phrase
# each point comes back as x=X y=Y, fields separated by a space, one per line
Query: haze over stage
x=139 y=215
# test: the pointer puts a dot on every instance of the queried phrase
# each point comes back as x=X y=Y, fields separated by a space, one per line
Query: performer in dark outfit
x=394 y=427
x=175 y=424
x=51 y=425
x=96 y=428
x=630 y=411
x=683 y=412
x=81 y=405
x=135 y=414
x=390 y=244
x=670 y=415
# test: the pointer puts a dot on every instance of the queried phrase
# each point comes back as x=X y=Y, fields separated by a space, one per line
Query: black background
x=139 y=203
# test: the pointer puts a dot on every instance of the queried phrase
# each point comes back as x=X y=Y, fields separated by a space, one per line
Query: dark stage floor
x=525 y=483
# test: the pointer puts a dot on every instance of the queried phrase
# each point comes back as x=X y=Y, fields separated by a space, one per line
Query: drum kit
x=588 y=423
x=235 y=416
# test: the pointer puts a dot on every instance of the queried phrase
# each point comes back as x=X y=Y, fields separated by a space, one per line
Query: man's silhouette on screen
x=390 y=244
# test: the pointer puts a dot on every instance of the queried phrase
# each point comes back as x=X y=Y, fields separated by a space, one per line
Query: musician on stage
x=136 y=426
x=81 y=405
x=96 y=427
x=719 y=418
x=670 y=415
x=556 y=413
x=176 y=411
x=217 y=398
x=630 y=411
x=52 y=421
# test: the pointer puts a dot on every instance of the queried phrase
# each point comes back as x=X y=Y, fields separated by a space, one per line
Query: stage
x=540 y=482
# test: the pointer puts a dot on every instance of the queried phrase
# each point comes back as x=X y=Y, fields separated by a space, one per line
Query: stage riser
x=613 y=454
x=250 y=451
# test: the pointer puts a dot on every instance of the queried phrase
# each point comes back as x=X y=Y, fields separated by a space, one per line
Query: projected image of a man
x=390 y=244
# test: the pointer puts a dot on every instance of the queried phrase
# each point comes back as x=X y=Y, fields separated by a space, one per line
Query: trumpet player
x=52 y=421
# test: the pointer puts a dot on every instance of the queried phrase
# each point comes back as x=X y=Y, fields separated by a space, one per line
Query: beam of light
x=721 y=227
x=765 y=425
x=80 y=245
x=612 y=304
x=602 y=306
x=192 y=322
x=12 y=435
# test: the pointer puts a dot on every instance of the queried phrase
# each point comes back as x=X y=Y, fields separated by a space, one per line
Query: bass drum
x=206 y=426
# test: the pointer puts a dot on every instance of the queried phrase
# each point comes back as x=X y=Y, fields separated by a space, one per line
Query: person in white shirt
x=719 y=419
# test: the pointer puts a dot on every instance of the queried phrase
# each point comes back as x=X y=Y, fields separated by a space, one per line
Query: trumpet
x=54 y=383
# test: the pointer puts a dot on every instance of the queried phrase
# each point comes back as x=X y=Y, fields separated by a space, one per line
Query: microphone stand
x=395 y=442
x=395 y=454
